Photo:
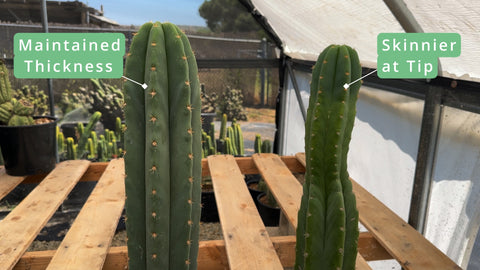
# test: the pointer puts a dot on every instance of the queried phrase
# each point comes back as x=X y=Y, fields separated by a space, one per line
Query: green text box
x=69 y=55
x=391 y=67
x=419 y=44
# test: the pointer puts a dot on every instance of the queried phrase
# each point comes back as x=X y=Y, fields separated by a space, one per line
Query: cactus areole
x=163 y=150
x=327 y=232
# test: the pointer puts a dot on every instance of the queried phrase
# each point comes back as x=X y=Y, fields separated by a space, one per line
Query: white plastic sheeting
x=306 y=27
x=382 y=158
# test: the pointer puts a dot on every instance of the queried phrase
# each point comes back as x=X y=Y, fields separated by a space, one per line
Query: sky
x=180 y=12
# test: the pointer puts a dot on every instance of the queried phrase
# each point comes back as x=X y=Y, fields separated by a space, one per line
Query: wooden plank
x=246 y=239
x=281 y=182
x=21 y=226
x=86 y=246
x=94 y=172
x=8 y=182
x=401 y=240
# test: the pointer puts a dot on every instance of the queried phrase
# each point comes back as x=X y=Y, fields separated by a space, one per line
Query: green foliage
x=163 y=145
x=231 y=104
x=71 y=100
x=105 y=98
x=327 y=231
x=227 y=16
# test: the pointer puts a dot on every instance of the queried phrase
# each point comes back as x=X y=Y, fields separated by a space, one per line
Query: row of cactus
x=230 y=139
x=90 y=146
x=260 y=146
x=327 y=232
x=13 y=112
x=163 y=150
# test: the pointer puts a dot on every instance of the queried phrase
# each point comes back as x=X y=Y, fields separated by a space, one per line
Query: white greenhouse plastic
x=384 y=145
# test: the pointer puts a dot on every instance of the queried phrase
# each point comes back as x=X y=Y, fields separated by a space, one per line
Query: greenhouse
x=328 y=74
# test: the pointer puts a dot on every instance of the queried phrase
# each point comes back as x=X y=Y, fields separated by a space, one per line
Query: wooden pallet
x=247 y=244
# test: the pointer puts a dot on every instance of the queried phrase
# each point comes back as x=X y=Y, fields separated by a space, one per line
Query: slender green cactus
x=163 y=150
x=80 y=129
x=257 y=146
x=229 y=147
x=212 y=134
x=266 y=146
x=101 y=155
x=60 y=141
x=82 y=141
x=239 y=139
x=5 y=87
x=223 y=127
x=231 y=136
x=118 y=129
x=327 y=231
x=91 y=149
x=71 y=149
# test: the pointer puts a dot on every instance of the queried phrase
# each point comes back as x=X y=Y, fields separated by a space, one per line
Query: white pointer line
x=144 y=86
x=347 y=85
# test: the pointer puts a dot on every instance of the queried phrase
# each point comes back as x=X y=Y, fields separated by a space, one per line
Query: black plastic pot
x=270 y=215
x=254 y=192
x=207 y=119
x=209 y=207
x=29 y=149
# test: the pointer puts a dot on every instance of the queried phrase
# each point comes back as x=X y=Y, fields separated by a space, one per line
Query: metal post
x=297 y=91
x=404 y=16
x=427 y=148
x=49 y=81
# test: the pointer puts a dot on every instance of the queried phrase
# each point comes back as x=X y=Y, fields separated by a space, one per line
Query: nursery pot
x=209 y=207
x=207 y=119
x=254 y=192
x=29 y=149
x=270 y=215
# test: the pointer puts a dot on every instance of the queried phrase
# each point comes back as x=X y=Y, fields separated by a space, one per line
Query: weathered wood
x=8 y=182
x=401 y=240
x=281 y=182
x=246 y=239
x=21 y=226
x=93 y=173
x=86 y=244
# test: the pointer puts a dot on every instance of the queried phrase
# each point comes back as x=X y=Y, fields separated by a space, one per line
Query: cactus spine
x=327 y=231
x=163 y=150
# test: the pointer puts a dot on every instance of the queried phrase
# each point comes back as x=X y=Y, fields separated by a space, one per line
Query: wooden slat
x=7 y=182
x=87 y=242
x=93 y=173
x=211 y=256
x=401 y=240
x=281 y=182
x=246 y=239
x=21 y=226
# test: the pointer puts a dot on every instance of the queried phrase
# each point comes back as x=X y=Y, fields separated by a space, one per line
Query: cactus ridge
x=167 y=163
x=327 y=231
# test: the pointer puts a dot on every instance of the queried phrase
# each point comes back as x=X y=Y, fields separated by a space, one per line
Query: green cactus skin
x=82 y=141
x=257 y=146
x=60 y=141
x=166 y=145
x=266 y=146
x=93 y=136
x=239 y=139
x=5 y=87
x=212 y=134
x=223 y=127
x=228 y=147
x=327 y=231
x=118 y=129
x=71 y=149
x=231 y=136
x=80 y=129
x=101 y=151
x=91 y=149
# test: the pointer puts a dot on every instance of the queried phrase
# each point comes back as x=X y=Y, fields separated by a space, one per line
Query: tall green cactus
x=223 y=127
x=163 y=150
x=257 y=147
x=239 y=139
x=327 y=231
x=86 y=132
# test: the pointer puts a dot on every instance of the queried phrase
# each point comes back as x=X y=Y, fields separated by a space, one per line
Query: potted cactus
x=327 y=231
x=28 y=143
